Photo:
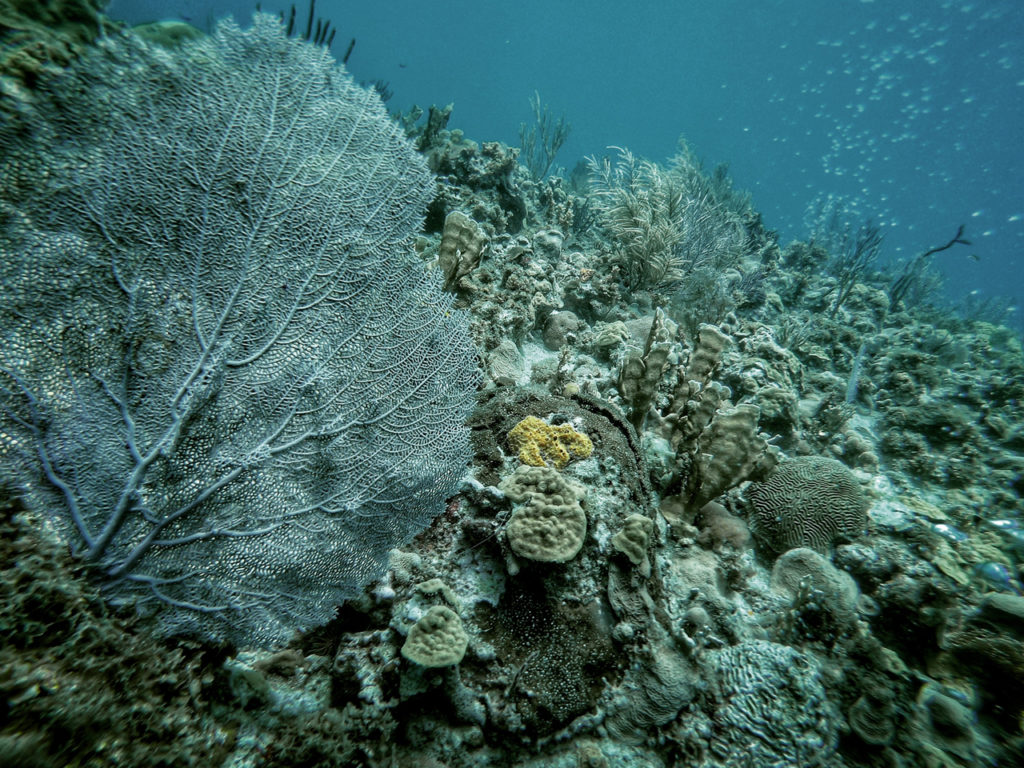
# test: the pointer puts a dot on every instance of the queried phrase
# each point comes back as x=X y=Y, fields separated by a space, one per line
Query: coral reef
x=663 y=385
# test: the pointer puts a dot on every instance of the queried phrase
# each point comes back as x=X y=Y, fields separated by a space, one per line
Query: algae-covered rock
x=560 y=329
x=872 y=716
x=168 y=33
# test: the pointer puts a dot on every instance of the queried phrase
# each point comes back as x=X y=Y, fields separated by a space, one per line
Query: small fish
x=1005 y=524
x=974 y=257
x=1015 y=541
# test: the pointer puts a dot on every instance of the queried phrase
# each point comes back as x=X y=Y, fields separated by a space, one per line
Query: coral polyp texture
x=776 y=692
x=437 y=639
x=809 y=501
x=539 y=443
x=548 y=525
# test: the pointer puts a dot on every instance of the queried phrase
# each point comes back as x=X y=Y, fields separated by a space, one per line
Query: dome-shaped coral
x=437 y=639
x=550 y=526
x=807 y=502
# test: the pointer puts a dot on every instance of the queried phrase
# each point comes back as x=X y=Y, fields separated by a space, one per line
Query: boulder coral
x=437 y=639
x=550 y=525
x=807 y=502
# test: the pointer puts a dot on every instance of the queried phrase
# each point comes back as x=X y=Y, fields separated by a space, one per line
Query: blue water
x=912 y=111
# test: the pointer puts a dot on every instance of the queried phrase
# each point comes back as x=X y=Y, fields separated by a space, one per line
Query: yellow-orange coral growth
x=539 y=443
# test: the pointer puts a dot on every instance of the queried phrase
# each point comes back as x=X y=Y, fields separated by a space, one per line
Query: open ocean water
x=910 y=111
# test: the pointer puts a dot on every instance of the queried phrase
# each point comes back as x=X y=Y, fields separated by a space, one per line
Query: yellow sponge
x=539 y=443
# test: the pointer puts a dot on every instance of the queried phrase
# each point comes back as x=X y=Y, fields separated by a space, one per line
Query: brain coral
x=772 y=711
x=806 y=502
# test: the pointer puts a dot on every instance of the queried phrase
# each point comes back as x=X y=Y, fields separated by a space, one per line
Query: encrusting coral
x=539 y=443
x=549 y=525
x=437 y=639
x=633 y=541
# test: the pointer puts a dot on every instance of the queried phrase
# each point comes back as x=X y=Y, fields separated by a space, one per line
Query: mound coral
x=437 y=639
x=550 y=525
x=807 y=502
